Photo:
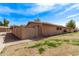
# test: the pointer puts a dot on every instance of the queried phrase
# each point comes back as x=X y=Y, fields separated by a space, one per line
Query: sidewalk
x=1 y=43
x=17 y=42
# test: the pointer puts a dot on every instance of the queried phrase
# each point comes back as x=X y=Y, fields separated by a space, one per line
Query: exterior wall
x=24 y=33
x=28 y=33
x=4 y=29
x=46 y=30
x=17 y=31
x=38 y=30
x=51 y=30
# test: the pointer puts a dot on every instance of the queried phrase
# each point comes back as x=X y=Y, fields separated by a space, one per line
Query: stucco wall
x=37 y=30
x=24 y=33
x=4 y=30
x=28 y=33
x=51 y=30
x=17 y=31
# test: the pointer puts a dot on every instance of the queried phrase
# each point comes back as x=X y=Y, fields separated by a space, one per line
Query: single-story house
x=38 y=29
x=4 y=29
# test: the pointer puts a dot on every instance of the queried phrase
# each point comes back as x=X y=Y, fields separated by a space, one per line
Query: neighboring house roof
x=45 y=24
x=3 y=27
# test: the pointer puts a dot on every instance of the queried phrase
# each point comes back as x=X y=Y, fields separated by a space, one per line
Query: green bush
x=41 y=50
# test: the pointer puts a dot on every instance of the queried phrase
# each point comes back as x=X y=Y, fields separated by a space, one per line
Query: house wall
x=24 y=33
x=4 y=29
x=47 y=30
x=17 y=31
x=51 y=30
x=37 y=30
x=28 y=33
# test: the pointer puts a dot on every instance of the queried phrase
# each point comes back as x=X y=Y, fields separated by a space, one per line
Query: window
x=59 y=28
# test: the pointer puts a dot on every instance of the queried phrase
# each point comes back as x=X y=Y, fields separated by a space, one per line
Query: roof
x=3 y=27
x=45 y=24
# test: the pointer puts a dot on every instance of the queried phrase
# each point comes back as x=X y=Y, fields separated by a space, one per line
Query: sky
x=54 y=13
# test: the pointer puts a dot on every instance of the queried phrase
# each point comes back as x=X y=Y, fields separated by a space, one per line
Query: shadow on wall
x=9 y=37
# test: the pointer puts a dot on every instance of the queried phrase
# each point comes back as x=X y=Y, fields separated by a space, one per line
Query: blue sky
x=22 y=13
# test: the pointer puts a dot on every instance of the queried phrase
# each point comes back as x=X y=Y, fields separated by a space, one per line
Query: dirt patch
x=65 y=49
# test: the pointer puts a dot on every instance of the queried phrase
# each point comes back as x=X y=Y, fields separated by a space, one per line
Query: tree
x=1 y=24
x=6 y=22
x=71 y=24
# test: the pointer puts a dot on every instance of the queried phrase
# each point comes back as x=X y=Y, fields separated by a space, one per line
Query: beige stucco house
x=38 y=29
x=4 y=29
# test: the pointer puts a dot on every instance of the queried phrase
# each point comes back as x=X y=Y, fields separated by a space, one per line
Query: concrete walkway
x=1 y=43
x=17 y=42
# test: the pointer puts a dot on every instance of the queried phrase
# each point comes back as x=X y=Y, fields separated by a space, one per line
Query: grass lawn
x=65 y=44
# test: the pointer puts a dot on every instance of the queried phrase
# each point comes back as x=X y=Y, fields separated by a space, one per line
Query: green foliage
x=66 y=41
x=1 y=24
x=36 y=45
x=54 y=43
x=41 y=50
x=6 y=22
x=49 y=43
x=75 y=42
x=71 y=24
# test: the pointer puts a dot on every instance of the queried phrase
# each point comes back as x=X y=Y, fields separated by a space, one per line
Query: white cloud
x=6 y=10
x=39 y=8
x=72 y=16
x=31 y=11
x=41 y=1
x=74 y=6
x=76 y=20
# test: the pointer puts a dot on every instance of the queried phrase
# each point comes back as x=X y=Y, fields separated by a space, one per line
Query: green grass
x=75 y=42
x=67 y=41
x=53 y=43
x=48 y=43
x=36 y=45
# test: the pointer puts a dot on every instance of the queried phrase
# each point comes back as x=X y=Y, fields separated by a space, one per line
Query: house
x=4 y=29
x=38 y=29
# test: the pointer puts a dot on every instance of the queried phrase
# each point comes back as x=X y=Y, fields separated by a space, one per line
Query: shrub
x=41 y=50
